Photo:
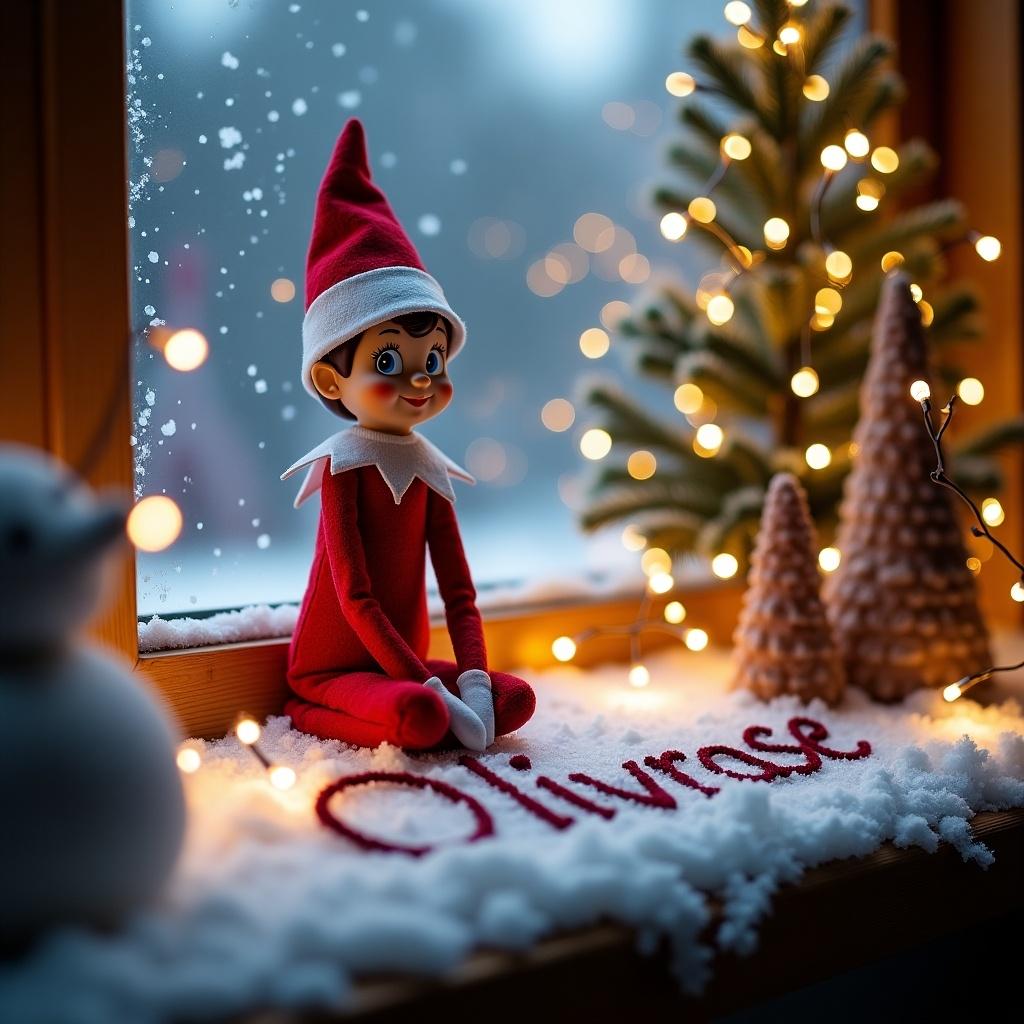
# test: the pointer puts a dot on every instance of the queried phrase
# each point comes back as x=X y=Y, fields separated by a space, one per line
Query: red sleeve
x=455 y=583
x=339 y=509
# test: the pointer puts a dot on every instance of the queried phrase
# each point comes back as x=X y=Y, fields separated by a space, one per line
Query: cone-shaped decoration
x=902 y=603
x=783 y=643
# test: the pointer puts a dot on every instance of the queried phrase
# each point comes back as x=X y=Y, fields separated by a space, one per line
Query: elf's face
x=396 y=381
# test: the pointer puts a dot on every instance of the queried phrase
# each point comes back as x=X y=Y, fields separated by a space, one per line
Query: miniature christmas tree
x=785 y=182
x=902 y=602
x=783 y=640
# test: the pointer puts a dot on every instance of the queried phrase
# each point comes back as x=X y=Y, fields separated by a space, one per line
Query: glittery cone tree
x=783 y=643
x=903 y=604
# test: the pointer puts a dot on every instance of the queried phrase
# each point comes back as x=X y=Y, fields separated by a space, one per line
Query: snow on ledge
x=269 y=910
x=268 y=622
x=256 y=622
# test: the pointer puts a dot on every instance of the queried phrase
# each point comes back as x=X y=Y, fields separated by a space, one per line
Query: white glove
x=475 y=687
x=464 y=722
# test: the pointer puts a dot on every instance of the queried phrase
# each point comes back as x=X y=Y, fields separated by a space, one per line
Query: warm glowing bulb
x=818 y=456
x=282 y=289
x=891 y=260
x=992 y=511
x=833 y=158
x=661 y=583
x=595 y=444
x=971 y=390
x=828 y=300
x=804 y=382
x=189 y=759
x=558 y=415
x=816 y=88
x=737 y=12
x=829 y=559
x=867 y=203
x=710 y=436
x=641 y=465
x=952 y=692
x=736 y=147
x=822 y=321
x=974 y=564
x=248 y=731
x=282 y=777
x=720 y=309
x=639 y=676
x=702 y=209
x=915 y=292
x=988 y=247
x=679 y=83
x=696 y=639
x=885 y=160
x=927 y=313
x=856 y=143
x=186 y=350
x=747 y=39
x=920 y=390
x=633 y=539
x=673 y=226
x=688 y=398
x=724 y=565
x=564 y=648
x=154 y=523
x=776 y=232
x=1017 y=592
x=838 y=265
x=790 y=34
x=594 y=342
x=675 y=612
x=656 y=560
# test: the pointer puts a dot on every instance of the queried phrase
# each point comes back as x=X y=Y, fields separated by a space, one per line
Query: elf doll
x=377 y=339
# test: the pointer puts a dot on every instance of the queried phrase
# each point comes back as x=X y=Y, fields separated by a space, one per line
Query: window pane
x=493 y=127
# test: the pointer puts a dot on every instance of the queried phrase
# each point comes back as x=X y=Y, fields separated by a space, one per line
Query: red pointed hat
x=361 y=268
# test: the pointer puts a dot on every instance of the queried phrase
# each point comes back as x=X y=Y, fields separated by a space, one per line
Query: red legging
x=368 y=708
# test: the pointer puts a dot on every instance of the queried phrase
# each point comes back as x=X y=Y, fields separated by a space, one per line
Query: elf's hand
x=463 y=720
x=475 y=687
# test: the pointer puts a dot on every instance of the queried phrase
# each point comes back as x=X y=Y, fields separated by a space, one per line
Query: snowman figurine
x=91 y=803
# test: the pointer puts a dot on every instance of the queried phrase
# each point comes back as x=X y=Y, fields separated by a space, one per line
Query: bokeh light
x=154 y=523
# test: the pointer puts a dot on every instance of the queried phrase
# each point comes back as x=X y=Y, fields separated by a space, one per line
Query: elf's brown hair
x=418 y=325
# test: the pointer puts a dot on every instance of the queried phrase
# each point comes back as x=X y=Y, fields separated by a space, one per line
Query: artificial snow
x=256 y=622
x=270 y=909
x=229 y=137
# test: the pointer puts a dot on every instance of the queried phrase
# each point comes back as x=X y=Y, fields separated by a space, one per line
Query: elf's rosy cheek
x=444 y=390
x=383 y=390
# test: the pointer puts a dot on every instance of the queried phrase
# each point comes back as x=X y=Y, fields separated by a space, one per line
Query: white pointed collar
x=399 y=457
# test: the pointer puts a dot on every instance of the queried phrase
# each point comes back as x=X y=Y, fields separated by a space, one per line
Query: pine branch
x=647 y=496
x=741 y=512
x=729 y=385
x=978 y=475
x=629 y=424
x=822 y=35
x=727 y=70
x=942 y=219
x=849 y=95
x=992 y=440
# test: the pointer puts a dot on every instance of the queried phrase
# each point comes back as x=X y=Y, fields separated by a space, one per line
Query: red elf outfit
x=358 y=657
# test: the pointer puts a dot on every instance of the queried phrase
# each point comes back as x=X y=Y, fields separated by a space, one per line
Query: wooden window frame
x=65 y=319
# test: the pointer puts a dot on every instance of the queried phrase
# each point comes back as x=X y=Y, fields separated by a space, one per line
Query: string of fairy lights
x=713 y=298
x=248 y=732
x=921 y=392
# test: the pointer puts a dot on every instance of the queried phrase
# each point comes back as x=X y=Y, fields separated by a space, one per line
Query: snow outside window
x=494 y=128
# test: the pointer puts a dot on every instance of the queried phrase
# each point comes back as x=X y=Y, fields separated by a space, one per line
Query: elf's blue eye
x=388 y=362
x=435 y=364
